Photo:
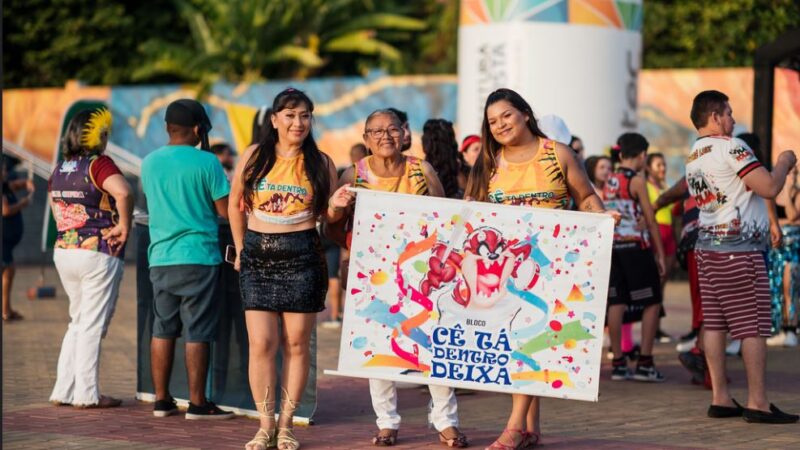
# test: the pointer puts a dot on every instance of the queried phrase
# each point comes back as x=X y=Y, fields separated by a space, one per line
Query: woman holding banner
x=518 y=165
x=387 y=169
x=283 y=184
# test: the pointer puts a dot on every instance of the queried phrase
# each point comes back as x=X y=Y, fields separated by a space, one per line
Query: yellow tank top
x=411 y=182
x=285 y=195
x=663 y=215
x=538 y=182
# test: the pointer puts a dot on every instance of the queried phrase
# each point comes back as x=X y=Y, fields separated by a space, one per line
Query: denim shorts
x=183 y=298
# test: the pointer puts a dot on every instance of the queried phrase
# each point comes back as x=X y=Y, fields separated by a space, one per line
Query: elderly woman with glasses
x=388 y=170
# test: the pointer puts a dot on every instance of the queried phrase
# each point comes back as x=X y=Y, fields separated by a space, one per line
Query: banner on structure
x=476 y=295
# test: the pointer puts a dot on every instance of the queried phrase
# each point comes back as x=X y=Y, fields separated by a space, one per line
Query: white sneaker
x=777 y=340
x=332 y=324
x=734 y=348
x=791 y=339
x=685 y=346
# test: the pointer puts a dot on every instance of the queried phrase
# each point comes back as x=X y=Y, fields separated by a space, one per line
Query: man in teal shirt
x=186 y=189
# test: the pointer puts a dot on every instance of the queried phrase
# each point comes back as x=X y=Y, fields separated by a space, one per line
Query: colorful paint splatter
x=476 y=295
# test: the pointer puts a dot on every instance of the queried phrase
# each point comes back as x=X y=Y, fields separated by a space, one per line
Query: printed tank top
x=80 y=208
x=285 y=195
x=411 y=182
x=617 y=196
x=539 y=182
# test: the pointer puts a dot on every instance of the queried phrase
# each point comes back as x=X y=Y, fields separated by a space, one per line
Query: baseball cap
x=555 y=128
x=469 y=140
x=188 y=113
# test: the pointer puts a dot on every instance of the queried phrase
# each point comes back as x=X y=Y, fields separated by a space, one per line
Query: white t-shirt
x=732 y=217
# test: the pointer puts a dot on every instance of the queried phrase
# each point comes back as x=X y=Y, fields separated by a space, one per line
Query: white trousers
x=443 y=408
x=91 y=280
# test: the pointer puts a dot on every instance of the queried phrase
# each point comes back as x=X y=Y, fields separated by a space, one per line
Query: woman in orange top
x=387 y=169
x=518 y=165
x=283 y=185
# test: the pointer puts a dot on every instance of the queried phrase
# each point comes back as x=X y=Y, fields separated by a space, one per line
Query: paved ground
x=628 y=415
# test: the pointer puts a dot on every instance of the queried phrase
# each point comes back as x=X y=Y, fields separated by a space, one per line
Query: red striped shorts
x=734 y=290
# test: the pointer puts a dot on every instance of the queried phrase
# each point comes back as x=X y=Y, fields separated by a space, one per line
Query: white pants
x=443 y=408
x=91 y=280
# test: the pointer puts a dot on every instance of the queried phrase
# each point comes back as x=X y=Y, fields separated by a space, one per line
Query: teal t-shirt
x=181 y=184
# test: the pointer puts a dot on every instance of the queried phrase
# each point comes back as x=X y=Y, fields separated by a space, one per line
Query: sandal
x=385 y=438
x=533 y=439
x=264 y=438
x=523 y=443
x=13 y=315
x=459 y=441
x=103 y=402
x=286 y=437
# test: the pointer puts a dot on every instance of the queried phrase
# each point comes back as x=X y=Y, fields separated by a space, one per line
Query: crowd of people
x=283 y=193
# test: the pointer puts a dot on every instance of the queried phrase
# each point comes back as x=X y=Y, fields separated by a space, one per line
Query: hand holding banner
x=476 y=295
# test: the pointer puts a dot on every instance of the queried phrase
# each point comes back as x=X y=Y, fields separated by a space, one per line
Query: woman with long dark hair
x=441 y=151
x=518 y=165
x=283 y=184
x=92 y=205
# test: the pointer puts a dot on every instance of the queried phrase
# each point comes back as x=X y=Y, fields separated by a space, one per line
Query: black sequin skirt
x=283 y=272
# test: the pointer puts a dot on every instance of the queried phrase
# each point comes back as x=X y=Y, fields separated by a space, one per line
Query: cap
x=188 y=113
x=555 y=128
x=469 y=140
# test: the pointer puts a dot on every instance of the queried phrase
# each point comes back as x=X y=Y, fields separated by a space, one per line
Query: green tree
x=690 y=33
x=47 y=42
x=258 y=39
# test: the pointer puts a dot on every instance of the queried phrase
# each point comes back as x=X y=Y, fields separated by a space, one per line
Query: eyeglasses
x=377 y=133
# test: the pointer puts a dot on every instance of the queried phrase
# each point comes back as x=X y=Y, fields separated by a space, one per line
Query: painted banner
x=579 y=59
x=476 y=295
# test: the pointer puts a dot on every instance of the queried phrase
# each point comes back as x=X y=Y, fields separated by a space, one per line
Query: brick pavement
x=628 y=415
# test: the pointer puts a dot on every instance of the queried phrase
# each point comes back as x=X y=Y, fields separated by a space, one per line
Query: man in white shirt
x=728 y=183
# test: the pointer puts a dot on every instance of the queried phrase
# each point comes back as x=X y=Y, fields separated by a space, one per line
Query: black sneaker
x=164 y=408
x=649 y=374
x=209 y=411
x=620 y=373
x=662 y=337
x=695 y=363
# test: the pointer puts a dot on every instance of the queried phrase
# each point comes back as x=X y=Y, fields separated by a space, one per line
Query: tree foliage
x=690 y=33
x=47 y=42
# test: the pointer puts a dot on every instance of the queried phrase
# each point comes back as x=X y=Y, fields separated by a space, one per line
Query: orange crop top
x=411 y=182
x=285 y=195
x=539 y=182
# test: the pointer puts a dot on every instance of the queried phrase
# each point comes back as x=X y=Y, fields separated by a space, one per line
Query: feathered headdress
x=99 y=123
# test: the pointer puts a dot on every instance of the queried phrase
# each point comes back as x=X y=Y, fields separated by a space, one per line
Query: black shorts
x=283 y=272
x=634 y=278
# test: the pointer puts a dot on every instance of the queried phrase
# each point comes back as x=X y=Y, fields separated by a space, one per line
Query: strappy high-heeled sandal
x=459 y=441
x=264 y=438
x=523 y=443
x=286 y=437
x=532 y=439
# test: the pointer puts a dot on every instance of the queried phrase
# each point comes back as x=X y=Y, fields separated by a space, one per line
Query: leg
x=65 y=373
x=335 y=293
x=8 y=279
x=532 y=420
x=650 y=320
x=515 y=432
x=714 y=343
x=444 y=410
x=196 y=360
x=615 y=315
x=162 y=352
x=100 y=289
x=754 y=353
x=296 y=336
x=384 y=402
x=262 y=333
